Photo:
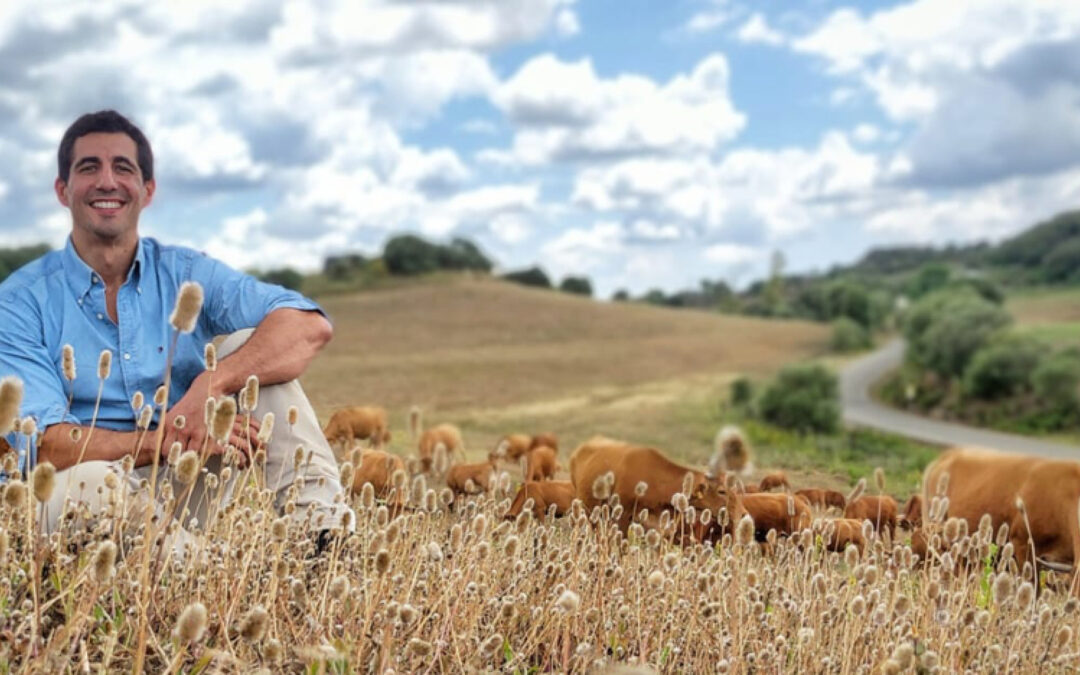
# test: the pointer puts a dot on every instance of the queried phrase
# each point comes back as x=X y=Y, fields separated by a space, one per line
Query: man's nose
x=106 y=179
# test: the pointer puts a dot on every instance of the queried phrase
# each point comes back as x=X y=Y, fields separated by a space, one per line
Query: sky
x=643 y=143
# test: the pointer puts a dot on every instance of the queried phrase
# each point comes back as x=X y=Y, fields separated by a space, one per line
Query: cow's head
x=715 y=493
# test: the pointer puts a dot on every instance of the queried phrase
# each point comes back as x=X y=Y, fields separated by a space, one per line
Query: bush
x=409 y=255
x=12 y=259
x=945 y=329
x=931 y=277
x=1063 y=263
x=285 y=276
x=621 y=295
x=533 y=276
x=342 y=267
x=849 y=336
x=1056 y=381
x=1003 y=368
x=803 y=398
x=742 y=391
x=576 y=285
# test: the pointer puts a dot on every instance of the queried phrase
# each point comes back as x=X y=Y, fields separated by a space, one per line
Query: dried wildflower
x=249 y=395
x=1025 y=595
x=367 y=496
x=210 y=356
x=187 y=467
x=192 y=623
x=43 y=479
x=15 y=494
x=859 y=488
x=817 y=583
x=601 y=487
x=224 y=418
x=75 y=434
x=744 y=532
x=641 y=488
x=11 y=393
x=382 y=561
x=103 y=565
x=279 y=528
x=879 y=479
x=339 y=587
x=189 y=303
x=292 y=415
x=655 y=580
x=266 y=428
x=272 y=651
x=569 y=601
x=104 y=364
x=419 y=647
x=902 y=605
x=145 y=416
x=254 y=624
x=1062 y=637
x=904 y=654
x=479 y=525
x=491 y=645
x=511 y=546
x=1004 y=586
x=67 y=362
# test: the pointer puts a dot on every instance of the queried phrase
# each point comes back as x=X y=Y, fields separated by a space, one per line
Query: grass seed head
x=272 y=651
x=266 y=428
x=224 y=418
x=188 y=305
x=254 y=624
x=491 y=645
x=382 y=561
x=569 y=601
x=249 y=395
x=857 y=491
x=137 y=401
x=1004 y=586
x=11 y=393
x=879 y=479
x=187 y=468
x=104 y=364
x=43 y=479
x=210 y=356
x=192 y=623
x=15 y=495
x=68 y=362
x=744 y=531
x=1025 y=595
x=104 y=562
x=339 y=587
x=641 y=488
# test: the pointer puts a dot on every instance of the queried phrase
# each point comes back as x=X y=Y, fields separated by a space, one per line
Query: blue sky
x=642 y=143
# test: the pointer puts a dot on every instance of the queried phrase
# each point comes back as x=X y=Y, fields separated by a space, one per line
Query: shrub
x=945 y=329
x=285 y=276
x=408 y=254
x=621 y=295
x=803 y=398
x=533 y=276
x=742 y=391
x=1056 y=380
x=1003 y=368
x=576 y=285
x=849 y=336
x=341 y=267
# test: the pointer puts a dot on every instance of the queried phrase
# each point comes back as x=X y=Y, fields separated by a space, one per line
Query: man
x=110 y=289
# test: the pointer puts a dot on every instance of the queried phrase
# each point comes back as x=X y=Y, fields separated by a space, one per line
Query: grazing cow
x=447 y=434
x=912 y=517
x=357 y=423
x=544 y=494
x=772 y=481
x=983 y=481
x=602 y=466
x=844 y=532
x=783 y=513
x=376 y=467
x=823 y=499
x=545 y=439
x=540 y=464
x=459 y=476
x=878 y=509
x=512 y=447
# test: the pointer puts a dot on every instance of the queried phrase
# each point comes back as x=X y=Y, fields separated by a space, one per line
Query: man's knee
x=234 y=341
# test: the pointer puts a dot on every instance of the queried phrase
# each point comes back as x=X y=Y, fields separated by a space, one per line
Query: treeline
x=12 y=259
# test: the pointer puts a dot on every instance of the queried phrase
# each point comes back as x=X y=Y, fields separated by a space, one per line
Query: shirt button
x=100 y=316
x=79 y=301
x=127 y=357
x=93 y=279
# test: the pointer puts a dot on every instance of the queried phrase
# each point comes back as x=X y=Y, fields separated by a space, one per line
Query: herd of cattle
x=1037 y=499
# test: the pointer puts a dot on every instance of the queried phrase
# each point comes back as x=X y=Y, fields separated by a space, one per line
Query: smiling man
x=111 y=290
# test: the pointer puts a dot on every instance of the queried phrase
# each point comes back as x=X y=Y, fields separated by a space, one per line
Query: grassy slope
x=498 y=358
x=1051 y=314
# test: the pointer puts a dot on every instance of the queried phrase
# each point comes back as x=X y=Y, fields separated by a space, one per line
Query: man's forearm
x=58 y=447
x=281 y=348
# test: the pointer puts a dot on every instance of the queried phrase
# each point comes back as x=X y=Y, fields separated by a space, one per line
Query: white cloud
x=479 y=126
x=566 y=23
x=757 y=30
x=866 y=133
x=732 y=254
x=564 y=111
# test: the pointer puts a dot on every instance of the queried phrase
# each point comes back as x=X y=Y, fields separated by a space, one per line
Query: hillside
x=480 y=344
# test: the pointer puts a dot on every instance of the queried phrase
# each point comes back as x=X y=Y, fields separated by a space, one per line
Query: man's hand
x=192 y=406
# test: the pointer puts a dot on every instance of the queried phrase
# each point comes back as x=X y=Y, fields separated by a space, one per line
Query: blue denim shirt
x=58 y=299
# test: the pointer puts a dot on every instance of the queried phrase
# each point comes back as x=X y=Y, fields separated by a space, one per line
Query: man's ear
x=151 y=187
x=61 y=191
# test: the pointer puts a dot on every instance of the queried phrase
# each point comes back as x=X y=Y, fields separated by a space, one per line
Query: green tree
x=577 y=285
x=849 y=336
x=930 y=277
x=408 y=255
x=1056 y=381
x=1003 y=367
x=946 y=328
x=285 y=276
x=532 y=276
x=803 y=398
x=621 y=295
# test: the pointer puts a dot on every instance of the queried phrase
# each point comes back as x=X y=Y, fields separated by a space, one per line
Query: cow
x=823 y=499
x=783 y=513
x=601 y=467
x=912 y=516
x=376 y=467
x=878 y=509
x=840 y=533
x=357 y=423
x=545 y=439
x=512 y=447
x=544 y=494
x=984 y=481
x=479 y=474
x=540 y=464
x=446 y=434
x=771 y=481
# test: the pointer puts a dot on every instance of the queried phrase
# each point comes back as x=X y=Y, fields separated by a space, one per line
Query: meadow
x=447 y=584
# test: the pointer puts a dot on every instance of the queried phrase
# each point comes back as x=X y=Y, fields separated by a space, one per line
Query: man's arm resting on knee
x=56 y=445
x=281 y=348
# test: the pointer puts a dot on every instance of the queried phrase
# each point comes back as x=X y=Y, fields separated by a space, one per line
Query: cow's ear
x=699 y=491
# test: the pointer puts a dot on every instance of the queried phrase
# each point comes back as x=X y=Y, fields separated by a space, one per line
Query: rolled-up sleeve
x=234 y=300
x=23 y=354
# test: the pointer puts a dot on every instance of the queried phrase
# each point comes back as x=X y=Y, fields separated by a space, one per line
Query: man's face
x=105 y=190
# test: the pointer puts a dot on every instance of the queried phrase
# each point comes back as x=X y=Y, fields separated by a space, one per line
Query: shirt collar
x=81 y=277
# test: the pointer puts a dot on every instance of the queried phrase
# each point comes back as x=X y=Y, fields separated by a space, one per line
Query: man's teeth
x=105 y=205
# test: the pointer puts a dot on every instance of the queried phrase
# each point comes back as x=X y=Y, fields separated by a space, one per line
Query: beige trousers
x=317 y=497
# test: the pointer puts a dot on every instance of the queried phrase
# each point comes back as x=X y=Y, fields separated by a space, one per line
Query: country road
x=861 y=410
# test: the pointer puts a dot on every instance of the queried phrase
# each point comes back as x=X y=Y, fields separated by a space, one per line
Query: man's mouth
x=106 y=204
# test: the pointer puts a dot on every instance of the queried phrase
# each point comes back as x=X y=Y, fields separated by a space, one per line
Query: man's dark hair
x=104 y=122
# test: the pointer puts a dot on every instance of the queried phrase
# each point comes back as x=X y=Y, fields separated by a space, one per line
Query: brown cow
x=544 y=494
x=771 y=512
x=357 y=423
x=823 y=499
x=446 y=434
x=376 y=467
x=912 y=517
x=845 y=532
x=878 y=509
x=983 y=481
x=601 y=466
x=545 y=439
x=772 y=481
x=459 y=475
x=540 y=464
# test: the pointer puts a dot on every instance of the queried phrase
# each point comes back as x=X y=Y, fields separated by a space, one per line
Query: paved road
x=860 y=410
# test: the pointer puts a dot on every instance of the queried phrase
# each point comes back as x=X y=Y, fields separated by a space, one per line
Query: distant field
x=498 y=358
x=1045 y=306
